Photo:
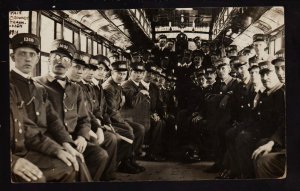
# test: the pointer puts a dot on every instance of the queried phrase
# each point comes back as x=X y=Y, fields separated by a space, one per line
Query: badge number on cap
x=122 y=66
x=27 y=39
x=63 y=46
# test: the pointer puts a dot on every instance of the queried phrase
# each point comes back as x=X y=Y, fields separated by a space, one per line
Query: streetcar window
x=58 y=31
x=100 y=48
x=68 y=35
x=76 y=40
x=272 y=48
x=278 y=43
x=89 y=46
x=83 y=42
x=47 y=33
x=95 y=47
x=34 y=22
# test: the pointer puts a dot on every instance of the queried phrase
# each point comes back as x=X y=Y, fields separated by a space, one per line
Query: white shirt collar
x=147 y=85
x=137 y=84
x=84 y=82
x=27 y=76
x=95 y=81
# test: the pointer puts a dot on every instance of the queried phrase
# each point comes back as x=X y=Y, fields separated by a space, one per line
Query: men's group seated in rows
x=89 y=117
x=235 y=112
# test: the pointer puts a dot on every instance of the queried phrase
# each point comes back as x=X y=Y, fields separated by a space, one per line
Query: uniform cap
x=279 y=59
x=222 y=62
x=78 y=58
x=259 y=37
x=234 y=60
x=162 y=36
x=137 y=66
x=158 y=70
x=196 y=39
x=26 y=40
x=210 y=69
x=253 y=66
x=136 y=53
x=204 y=43
x=63 y=46
x=232 y=48
x=253 y=61
x=119 y=66
x=100 y=59
x=200 y=71
x=266 y=67
x=242 y=60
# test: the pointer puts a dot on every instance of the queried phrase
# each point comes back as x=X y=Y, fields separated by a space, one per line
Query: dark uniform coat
x=40 y=109
x=137 y=105
x=159 y=54
x=69 y=104
x=155 y=99
x=268 y=123
x=100 y=98
x=29 y=143
x=113 y=95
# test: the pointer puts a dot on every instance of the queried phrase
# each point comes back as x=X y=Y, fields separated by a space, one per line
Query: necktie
x=223 y=86
x=60 y=78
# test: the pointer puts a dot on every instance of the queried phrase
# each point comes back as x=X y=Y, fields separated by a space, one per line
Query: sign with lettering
x=18 y=22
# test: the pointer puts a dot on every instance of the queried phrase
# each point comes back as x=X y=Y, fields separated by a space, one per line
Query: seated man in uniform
x=124 y=148
x=115 y=100
x=137 y=104
x=245 y=97
x=26 y=48
x=35 y=157
x=220 y=98
x=157 y=124
x=271 y=157
x=68 y=101
x=82 y=73
x=265 y=132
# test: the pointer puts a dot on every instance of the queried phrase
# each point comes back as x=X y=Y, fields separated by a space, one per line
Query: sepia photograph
x=147 y=94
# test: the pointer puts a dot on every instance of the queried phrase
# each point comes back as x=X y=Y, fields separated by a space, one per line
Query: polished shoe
x=137 y=166
x=192 y=157
x=213 y=169
x=126 y=167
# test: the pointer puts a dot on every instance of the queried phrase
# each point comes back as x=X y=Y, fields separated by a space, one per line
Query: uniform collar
x=84 y=82
x=95 y=81
x=111 y=81
x=275 y=88
x=26 y=76
x=145 y=84
x=137 y=84
x=258 y=88
x=247 y=81
x=227 y=80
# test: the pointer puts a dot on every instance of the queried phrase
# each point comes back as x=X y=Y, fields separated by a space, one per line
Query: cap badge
x=63 y=46
x=27 y=39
